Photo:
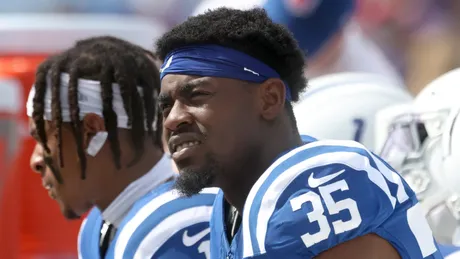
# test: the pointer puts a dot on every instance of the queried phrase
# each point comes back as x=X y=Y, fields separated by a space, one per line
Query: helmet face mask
x=415 y=146
x=409 y=135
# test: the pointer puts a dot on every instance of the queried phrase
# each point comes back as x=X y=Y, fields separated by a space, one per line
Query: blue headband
x=217 y=61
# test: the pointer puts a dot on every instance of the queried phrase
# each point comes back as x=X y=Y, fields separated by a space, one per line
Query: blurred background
x=417 y=37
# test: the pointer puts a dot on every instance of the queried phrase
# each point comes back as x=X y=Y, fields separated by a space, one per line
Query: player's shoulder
x=166 y=196
x=343 y=188
x=319 y=161
x=91 y=221
x=161 y=215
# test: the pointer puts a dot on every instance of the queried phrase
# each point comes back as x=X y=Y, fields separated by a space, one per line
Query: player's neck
x=120 y=179
x=236 y=193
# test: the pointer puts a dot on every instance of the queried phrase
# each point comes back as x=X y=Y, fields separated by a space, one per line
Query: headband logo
x=167 y=64
x=252 y=71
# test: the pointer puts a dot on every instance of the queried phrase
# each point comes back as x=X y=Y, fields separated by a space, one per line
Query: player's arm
x=336 y=202
x=369 y=246
x=337 y=210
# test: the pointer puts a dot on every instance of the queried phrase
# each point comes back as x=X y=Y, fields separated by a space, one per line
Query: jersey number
x=359 y=128
x=334 y=207
x=205 y=248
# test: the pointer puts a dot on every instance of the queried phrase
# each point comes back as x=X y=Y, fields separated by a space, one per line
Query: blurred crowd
x=407 y=42
x=417 y=36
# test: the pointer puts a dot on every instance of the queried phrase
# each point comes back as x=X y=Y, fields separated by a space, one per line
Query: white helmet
x=343 y=106
x=424 y=146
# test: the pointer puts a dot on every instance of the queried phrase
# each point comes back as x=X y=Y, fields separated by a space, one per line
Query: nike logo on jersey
x=315 y=182
x=191 y=240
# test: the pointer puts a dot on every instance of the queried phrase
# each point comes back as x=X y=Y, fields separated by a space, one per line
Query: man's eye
x=198 y=94
x=164 y=106
x=164 y=109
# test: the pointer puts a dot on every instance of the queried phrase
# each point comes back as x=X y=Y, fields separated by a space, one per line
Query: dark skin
x=231 y=121
x=76 y=196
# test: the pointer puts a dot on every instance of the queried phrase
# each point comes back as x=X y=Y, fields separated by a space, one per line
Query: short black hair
x=251 y=32
x=108 y=60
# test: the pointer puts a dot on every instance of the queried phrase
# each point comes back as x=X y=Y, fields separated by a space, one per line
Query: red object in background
x=372 y=13
x=31 y=224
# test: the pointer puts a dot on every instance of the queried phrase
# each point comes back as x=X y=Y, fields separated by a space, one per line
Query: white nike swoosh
x=168 y=63
x=191 y=240
x=315 y=182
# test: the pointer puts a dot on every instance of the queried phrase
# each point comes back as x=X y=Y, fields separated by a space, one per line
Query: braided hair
x=108 y=60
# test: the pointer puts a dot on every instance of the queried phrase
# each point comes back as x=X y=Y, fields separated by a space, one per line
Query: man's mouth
x=49 y=188
x=182 y=141
x=180 y=147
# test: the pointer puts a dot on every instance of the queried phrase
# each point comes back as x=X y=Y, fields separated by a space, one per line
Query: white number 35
x=334 y=207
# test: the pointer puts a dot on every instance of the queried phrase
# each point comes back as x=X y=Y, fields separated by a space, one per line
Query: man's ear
x=272 y=96
x=94 y=133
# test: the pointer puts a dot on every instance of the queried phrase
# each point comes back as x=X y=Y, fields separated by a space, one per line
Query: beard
x=67 y=212
x=192 y=180
x=70 y=214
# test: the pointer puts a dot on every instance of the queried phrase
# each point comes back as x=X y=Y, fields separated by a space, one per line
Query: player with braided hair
x=94 y=116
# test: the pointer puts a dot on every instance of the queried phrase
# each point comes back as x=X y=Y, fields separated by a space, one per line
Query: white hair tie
x=89 y=100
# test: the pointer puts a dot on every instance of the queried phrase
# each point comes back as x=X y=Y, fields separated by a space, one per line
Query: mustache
x=187 y=128
x=49 y=163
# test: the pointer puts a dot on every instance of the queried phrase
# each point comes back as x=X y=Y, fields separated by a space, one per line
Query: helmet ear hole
x=422 y=132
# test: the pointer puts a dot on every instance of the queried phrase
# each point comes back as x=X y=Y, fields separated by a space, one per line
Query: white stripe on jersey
x=79 y=238
x=144 y=213
x=163 y=231
x=393 y=177
x=212 y=190
x=351 y=159
x=137 y=220
x=454 y=255
x=421 y=230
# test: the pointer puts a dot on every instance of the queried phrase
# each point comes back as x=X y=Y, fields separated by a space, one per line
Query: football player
x=93 y=114
x=228 y=82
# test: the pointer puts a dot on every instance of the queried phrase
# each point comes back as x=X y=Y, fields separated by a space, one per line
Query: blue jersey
x=319 y=195
x=160 y=225
x=450 y=252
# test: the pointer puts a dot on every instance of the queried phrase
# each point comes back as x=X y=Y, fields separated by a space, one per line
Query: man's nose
x=37 y=163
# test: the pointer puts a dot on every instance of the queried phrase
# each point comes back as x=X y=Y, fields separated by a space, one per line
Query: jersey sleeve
x=330 y=194
x=168 y=226
x=88 y=237
x=80 y=239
